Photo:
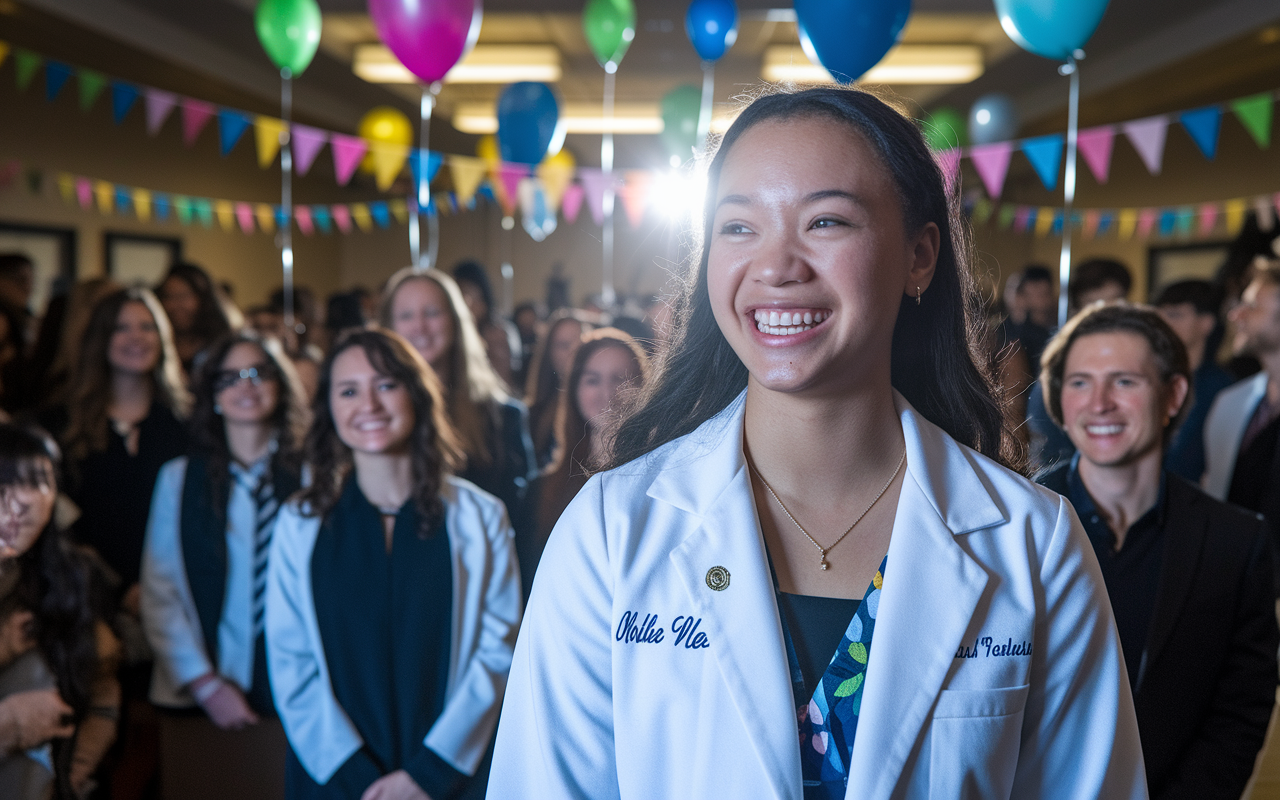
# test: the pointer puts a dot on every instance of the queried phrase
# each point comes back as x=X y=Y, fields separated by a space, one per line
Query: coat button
x=718 y=579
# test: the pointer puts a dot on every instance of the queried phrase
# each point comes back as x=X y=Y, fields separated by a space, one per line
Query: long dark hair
x=211 y=320
x=208 y=431
x=435 y=448
x=937 y=345
x=54 y=578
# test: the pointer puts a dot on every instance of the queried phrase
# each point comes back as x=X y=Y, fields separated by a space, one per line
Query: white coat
x=486 y=615
x=1224 y=429
x=982 y=566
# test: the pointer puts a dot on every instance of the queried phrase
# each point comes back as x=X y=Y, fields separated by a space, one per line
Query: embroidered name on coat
x=986 y=647
x=635 y=629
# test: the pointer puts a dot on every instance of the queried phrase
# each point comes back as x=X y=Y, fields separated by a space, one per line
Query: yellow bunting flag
x=266 y=216
x=1044 y=219
x=1128 y=222
x=467 y=174
x=388 y=160
x=443 y=207
x=67 y=187
x=4 y=51
x=106 y=195
x=226 y=213
x=556 y=173
x=399 y=209
x=363 y=219
x=142 y=204
x=1235 y=215
x=267 y=132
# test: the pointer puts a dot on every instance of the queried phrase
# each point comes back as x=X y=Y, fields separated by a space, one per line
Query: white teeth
x=808 y=317
x=773 y=318
x=777 y=330
x=786 y=318
x=1104 y=430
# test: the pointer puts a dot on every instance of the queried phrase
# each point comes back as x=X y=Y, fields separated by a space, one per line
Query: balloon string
x=1071 y=68
x=607 y=294
x=286 y=193
x=422 y=199
x=708 y=96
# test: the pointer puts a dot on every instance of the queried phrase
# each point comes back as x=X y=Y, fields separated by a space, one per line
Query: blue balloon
x=992 y=118
x=712 y=26
x=1050 y=28
x=527 y=117
x=849 y=37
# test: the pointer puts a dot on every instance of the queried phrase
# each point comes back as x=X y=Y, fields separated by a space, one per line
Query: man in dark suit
x=1189 y=577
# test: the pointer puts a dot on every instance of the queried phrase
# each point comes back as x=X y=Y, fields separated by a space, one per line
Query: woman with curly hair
x=204 y=573
x=393 y=594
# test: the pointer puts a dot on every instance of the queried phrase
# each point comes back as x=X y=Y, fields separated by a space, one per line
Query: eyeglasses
x=254 y=375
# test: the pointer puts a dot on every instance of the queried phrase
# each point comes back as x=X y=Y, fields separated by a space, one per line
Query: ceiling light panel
x=495 y=63
x=904 y=64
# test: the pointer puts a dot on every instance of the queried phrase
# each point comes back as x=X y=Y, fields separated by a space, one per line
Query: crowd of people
x=250 y=555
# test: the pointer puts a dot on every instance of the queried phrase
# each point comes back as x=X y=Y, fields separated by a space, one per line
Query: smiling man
x=1189 y=577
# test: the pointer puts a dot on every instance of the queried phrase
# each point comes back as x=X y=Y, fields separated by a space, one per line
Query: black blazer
x=1207 y=682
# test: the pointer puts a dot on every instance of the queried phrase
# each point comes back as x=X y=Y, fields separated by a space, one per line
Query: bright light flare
x=679 y=193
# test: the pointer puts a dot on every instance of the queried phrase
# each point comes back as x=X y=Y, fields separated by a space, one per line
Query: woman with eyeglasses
x=204 y=573
x=393 y=596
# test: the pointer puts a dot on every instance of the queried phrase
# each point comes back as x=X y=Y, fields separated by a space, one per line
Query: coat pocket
x=974 y=741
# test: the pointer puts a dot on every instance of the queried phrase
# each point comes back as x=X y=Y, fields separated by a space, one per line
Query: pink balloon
x=428 y=36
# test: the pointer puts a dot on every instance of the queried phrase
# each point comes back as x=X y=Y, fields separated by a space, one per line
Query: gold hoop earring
x=917 y=294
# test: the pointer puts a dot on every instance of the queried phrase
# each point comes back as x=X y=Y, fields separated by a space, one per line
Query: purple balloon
x=428 y=36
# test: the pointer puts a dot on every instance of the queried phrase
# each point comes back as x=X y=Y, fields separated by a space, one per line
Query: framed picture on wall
x=137 y=260
x=1183 y=262
x=52 y=251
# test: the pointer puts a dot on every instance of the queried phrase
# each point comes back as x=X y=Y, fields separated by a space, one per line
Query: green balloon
x=946 y=129
x=680 y=109
x=610 y=25
x=289 y=31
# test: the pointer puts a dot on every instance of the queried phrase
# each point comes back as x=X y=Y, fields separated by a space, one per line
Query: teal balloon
x=289 y=31
x=610 y=25
x=680 y=109
x=1050 y=28
x=945 y=129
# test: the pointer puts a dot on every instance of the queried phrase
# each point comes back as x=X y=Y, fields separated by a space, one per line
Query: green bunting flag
x=25 y=63
x=1255 y=114
x=91 y=85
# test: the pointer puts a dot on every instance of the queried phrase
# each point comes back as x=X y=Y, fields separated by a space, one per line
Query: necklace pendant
x=824 y=563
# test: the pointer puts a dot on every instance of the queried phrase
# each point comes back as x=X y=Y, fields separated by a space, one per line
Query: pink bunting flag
x=1264 y=211
x=1091 y=219
x=1095 y=145
x=342 y=217
x=84 y=192
x=1021 y=217
x=1208 y=218
x=571 y=202
x=244 y=216
x=347 y=153
x=159 y=105
x=949 y=161
x=1146 y=221
x=510 y=175
x=307 y=142
x=195 y=115
x=992 y=163
x=302 y=215
x=635 y=195
x=1147 y=137
x=594 y=183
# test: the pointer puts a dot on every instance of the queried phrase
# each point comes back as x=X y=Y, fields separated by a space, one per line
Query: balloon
x=944 y=129
x=849 y=37
x=712 y=26
x=428 y=36
x=610 y=25
x=289 y=31
x=384 y=125
x=527 y=117
x=992 y=119
x=680 y=108
x=1050 y=28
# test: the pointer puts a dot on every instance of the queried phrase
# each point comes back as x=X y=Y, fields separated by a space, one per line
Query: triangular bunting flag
x=182 y=208
x=1183 y=219
x=509 y=176
x=1203 y=124
x=399 y=209
x=4 y=51
x=163 y=204
x=104 y=193
x=635 y=195
x=342 y=217
x=227 y=215
x=302 y=215
x=124 y=199
x=67 y=187
x=381 y=213
x=35 y=181
x=323 y=218
x=1091 y=220
x=949 y=163
x=25 y=64
x=1005 y=218
x=244 y=216
x=123 y=96
x=1044 y=220
x=555 y=179
x=1095 y=145
x=1254 y=114
x=1146 y=221
x=595 y=182
x=1045 y=154
x=231 y=126
x=982 y=211
x=84 y=192
x=1128 y=223
x=159 y=105
x=992 y=163
x=467 y=173
x=306 y=143
x=56 y=75
x=195 y=115
x=388 y=160
x=1105 y=221
x=142 y=204
x=266 y=134
x=265 y=214
x=1167 y=220
x=1147 y=137
x=1023 y=218
x=203 y=208
x=361 y=216
x=1263 y=210
x=280 y=217
x=347 y=153
x=434 y=160
x=1208 y=218
x=571 y=202
x=91 y=85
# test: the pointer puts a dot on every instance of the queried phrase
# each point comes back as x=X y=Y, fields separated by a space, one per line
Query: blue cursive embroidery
x=632 y=630
x=988 y=648
x=687 y=631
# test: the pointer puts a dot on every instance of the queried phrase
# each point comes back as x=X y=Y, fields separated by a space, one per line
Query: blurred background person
x=343 y=310
x=393 y=592
x=1098 y=279
x=196 y=312
x=64 y=341
x=550 y=366
x=204 y=573
x=501 y=339
x=301 y=341
x=59 y=695
x=528 y=321
x=1032 y=311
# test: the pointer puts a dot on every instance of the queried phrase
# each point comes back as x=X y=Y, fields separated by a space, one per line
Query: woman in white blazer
x=393 y=595
x=810 y=572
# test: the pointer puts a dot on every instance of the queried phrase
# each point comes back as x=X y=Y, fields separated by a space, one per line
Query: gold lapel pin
x=717 y=579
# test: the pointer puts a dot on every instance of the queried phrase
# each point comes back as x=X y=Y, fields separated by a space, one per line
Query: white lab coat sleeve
x=462 y=732
x=556 y=737
x=1080 y=734
x=319 y=731
x=169 y=615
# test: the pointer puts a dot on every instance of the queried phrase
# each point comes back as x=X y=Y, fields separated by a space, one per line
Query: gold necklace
x=824 y=550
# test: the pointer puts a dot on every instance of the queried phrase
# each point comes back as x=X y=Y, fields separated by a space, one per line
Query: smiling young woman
x=819 y=460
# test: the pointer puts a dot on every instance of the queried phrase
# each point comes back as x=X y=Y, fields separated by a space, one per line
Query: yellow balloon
x=487 y=149
x=563 y=159
x=385 y=125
